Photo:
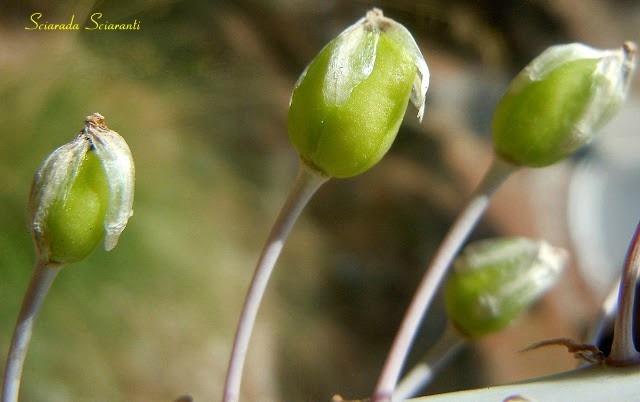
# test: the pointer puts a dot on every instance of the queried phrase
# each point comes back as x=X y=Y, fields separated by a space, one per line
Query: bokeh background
x=200 y=92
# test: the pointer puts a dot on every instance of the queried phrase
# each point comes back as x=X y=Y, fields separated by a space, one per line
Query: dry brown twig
x=581 y=351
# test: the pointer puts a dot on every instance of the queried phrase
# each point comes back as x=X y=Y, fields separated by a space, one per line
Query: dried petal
x=117 y=160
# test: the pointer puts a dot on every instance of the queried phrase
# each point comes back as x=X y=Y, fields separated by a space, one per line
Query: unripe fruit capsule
x=76 y=223
x=559 y=101
x=347 y=106
x=82 y=193
x=493 y=281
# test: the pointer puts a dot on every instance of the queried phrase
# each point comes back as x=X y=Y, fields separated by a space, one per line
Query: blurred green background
x=200 y=93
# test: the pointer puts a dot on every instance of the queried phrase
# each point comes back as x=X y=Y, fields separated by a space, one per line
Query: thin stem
x=498 y=172
x=43 y=275
x=436 y=357
x=303 y=188
x=603 y=323
x=606 y=315
x=623 y=350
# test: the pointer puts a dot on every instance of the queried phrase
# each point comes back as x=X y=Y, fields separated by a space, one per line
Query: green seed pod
x=347 y=105
x=74 y=224
x=493 y=281
x=559 y=101
x=82 y=193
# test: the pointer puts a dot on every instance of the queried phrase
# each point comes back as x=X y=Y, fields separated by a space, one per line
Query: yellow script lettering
x=34 y=18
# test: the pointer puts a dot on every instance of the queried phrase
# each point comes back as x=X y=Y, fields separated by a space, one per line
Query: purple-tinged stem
x=303 y=189
x=44 y=274
x=623 y=350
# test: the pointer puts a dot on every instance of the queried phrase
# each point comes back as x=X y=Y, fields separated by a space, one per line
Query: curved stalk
x=303 y=188
x=44 y=274
x=436 y=357
x=498 y=172
x=623 y=350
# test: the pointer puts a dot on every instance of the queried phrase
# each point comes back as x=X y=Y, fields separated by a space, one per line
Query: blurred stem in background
x=445 y=349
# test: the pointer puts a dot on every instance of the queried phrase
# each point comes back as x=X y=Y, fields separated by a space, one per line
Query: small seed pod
x=493 y=281
x=559 y=101
x=82 y=193
x=347 y=105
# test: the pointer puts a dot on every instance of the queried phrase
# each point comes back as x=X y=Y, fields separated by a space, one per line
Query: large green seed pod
x=348 y=104
x=559 y=101
x=493 y=281
x=82 y=193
